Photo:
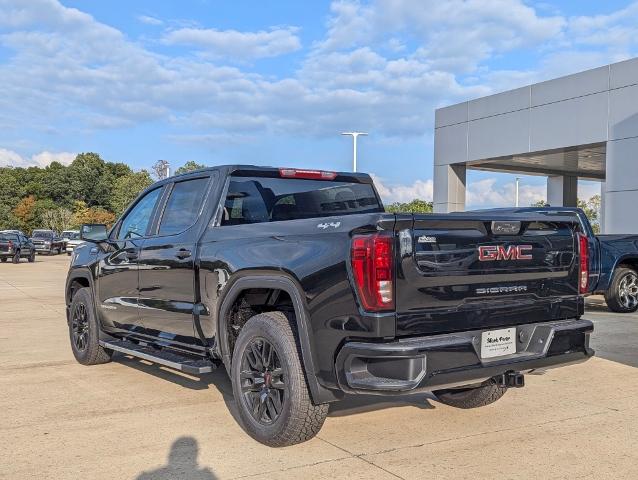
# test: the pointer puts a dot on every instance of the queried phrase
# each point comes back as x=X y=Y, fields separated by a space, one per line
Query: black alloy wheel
x=84 y=330
x=80 y=327
x=262 y=381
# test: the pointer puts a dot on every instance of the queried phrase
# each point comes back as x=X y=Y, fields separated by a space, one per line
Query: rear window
x=262 y=199
x=6 y=237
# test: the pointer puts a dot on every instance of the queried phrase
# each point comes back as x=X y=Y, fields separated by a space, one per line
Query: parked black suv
x=305 y=290
x=15 y=246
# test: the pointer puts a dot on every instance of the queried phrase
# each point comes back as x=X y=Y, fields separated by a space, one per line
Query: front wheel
x=472 y=397
x=84 y=330
x=622 y=295
x=16 y=257
x=269 y=384
x=32 y=256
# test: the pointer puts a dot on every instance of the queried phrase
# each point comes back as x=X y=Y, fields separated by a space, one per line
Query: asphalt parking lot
x=131 y=419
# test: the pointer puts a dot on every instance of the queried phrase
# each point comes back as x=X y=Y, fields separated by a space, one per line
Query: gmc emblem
x=491 y=253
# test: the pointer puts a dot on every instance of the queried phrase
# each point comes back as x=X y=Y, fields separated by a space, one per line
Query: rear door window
x=264 y=199
x=183 y=206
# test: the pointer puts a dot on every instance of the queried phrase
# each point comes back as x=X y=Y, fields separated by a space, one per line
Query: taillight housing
x=372 y=258
x=583 y=264
x=10 y=245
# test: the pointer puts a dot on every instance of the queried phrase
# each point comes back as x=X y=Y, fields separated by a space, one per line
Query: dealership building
x=582 y=126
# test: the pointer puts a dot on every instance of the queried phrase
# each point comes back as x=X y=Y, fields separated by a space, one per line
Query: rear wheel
x=16 y=257
x=269 y=384
x=32 y=256
x=473 y=397
x=622 y=296
x=84 y=330
x=3 y=259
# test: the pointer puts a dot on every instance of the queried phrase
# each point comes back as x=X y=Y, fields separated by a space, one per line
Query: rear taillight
x=10 y=245
x=307 y=174
x=372 y=258
x=583 y=270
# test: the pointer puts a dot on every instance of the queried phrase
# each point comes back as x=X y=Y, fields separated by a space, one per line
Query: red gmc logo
x=491 y=253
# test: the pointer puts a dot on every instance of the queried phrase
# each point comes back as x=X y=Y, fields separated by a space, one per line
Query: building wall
x=599 y=105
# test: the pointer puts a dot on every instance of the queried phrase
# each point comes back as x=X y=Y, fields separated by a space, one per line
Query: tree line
x=59 y=197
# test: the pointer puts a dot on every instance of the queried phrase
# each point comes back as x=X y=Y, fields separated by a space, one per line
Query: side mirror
x=94 y=232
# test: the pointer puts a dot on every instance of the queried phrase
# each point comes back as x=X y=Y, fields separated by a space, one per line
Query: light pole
x=354 y=147
x=162 y=169
x=518 y=179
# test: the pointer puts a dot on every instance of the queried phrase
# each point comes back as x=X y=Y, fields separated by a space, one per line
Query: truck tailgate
x=467 y=272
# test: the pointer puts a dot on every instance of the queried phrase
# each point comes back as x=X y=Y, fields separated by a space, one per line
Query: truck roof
x=257 y=170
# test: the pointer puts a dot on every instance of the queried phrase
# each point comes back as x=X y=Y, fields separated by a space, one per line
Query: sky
x=274 y=83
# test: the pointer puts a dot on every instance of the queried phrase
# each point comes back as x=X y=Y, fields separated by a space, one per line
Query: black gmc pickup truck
x=305 y=290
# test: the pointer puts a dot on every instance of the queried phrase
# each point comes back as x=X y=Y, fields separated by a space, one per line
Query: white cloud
x=149 y=20
x=45 y=158
x=237 y=45
x=9 y=158
x=487 y=193
x=420 y=189
x=587 y=189
x=455 y=35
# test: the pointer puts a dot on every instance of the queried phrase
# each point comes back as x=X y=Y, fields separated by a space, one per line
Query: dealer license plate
x=497 y=343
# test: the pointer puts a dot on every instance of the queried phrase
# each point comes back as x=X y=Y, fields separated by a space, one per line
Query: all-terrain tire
x=300 y=419
x=3 y=259
x=90 y=352
x=620 y=301
x=16 y=257
x=471 y=397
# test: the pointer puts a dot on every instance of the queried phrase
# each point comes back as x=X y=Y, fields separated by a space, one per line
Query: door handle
x=183 y=253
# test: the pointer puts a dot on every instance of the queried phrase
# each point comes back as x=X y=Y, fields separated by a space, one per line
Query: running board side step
x=182 y=363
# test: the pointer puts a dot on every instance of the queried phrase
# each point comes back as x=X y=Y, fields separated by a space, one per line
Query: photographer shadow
x=182 y=464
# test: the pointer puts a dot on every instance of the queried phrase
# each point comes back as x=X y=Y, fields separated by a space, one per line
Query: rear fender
x=283 y=282
x=605 y=278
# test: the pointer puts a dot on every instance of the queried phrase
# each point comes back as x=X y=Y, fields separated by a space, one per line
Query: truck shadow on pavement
x=355 y=404
x=182 y=463
x=218 y=377
x=350 y=405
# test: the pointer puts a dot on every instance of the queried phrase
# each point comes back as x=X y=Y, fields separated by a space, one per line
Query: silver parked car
x=72 y=239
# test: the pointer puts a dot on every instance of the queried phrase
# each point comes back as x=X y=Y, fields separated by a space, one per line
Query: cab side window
x=137 y=220
x=183 y=206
